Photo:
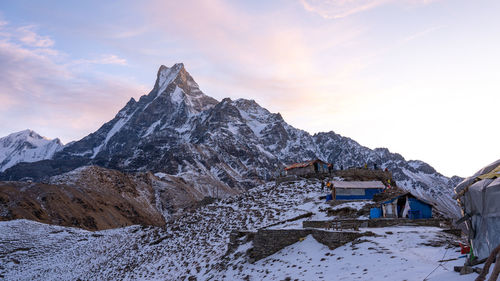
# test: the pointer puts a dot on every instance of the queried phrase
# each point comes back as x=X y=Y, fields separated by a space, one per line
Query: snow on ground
x=311 y=203
x=397 y=253
x=356 y=205
x=194 y=245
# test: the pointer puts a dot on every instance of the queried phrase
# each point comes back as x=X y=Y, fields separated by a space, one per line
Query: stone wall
x=358 y=174
x=238 y=237
x=281 y=179
x=269 y=241
x=356 y=224
x=355 y=174
x=305 y=215
x=301 y=171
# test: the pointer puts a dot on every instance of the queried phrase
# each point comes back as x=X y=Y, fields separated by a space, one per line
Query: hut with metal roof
x=356 y=190
x=307 y=168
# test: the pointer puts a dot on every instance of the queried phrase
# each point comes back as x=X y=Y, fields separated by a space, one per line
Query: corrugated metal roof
x=358 y=184
x=299 y=165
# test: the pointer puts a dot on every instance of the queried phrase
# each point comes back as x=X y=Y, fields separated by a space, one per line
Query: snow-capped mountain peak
x=171 y=105
x=26 y=146
x=177 y=83
x=166 y=75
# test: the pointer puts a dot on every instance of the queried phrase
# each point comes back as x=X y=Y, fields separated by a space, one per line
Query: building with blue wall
x=403 y=206
x=356 y=190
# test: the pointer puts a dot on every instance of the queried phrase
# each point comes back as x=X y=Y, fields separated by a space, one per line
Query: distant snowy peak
x=26 y=146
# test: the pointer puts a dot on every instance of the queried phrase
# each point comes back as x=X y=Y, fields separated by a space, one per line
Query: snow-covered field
x=397 y=253
x=195 y=244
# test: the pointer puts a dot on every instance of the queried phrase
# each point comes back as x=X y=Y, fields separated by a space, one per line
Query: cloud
x=28 y=36
x=335 y=9
x=269 y=52
x=104 y=59
x=422 y=33
x=131 y=32
x=41 y=89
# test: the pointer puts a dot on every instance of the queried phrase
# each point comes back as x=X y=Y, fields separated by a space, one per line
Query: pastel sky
x=421 y=77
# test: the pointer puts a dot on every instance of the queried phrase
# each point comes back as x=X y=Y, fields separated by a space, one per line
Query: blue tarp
x=329 y=197
x=418 y=208
x=375 y=213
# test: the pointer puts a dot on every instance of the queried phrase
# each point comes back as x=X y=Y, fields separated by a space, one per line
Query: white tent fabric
x=480 y=201
x=407 y=208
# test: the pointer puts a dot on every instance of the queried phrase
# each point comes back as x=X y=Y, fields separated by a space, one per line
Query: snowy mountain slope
x=194 y=245
x=233 y=144
x=26 y=146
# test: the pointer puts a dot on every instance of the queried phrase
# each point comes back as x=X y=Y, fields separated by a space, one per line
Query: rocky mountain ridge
x=178 y=130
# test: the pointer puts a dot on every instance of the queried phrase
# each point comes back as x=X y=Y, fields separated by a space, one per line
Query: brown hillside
x=96 y=198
